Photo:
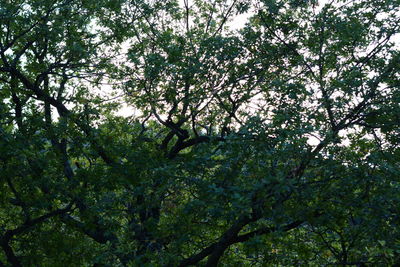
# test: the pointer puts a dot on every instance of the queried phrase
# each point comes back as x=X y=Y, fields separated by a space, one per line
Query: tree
x=275 y=144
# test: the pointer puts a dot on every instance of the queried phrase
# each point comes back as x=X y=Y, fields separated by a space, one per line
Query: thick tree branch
x=99 y=234
x=63 y=111
x=216 y=250
x=180 y=145
x=11 y=257
x=9 y=234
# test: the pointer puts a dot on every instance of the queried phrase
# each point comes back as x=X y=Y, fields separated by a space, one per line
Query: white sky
x=237 y=23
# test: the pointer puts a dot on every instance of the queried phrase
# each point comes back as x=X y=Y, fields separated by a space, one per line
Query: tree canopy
x=275 y=143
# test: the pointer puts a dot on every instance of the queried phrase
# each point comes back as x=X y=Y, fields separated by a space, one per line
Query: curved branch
x=9 y=234
x=216 y=250
x=63 y=111
x=181 y=144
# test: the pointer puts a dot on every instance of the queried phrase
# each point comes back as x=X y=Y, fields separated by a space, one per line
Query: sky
x=237 y=23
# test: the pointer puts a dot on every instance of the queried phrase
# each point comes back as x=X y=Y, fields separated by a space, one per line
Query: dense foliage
x=272 y=143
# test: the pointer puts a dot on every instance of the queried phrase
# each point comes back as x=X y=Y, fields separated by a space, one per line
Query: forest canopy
x=270 y=143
